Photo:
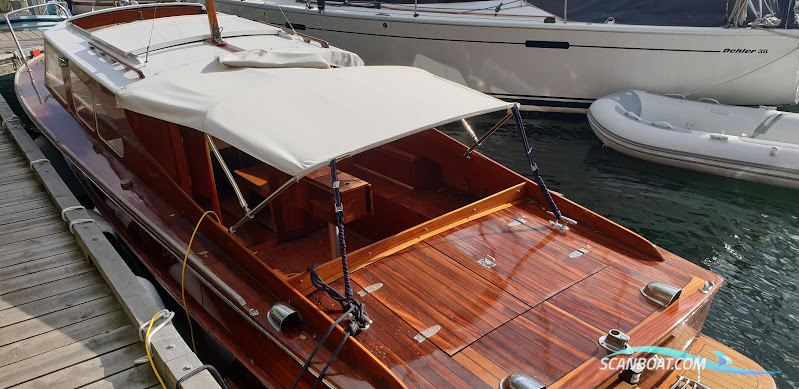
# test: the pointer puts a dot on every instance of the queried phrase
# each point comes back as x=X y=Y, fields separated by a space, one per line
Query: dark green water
x=748 y=233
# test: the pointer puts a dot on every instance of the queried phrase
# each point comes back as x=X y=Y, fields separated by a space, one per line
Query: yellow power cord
x=147 y=348
x=183 y=277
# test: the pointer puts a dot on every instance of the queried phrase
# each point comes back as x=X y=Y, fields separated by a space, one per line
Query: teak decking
x=540 y=309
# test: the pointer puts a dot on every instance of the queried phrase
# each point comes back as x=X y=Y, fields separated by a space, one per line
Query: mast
x=216 y=32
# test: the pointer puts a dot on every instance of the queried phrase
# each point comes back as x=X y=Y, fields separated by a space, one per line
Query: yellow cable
x=147 y=348
x=183 y=275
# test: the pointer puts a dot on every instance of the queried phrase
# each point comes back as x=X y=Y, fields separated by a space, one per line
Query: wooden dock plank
x=53 y=304
x=31 y=249
x=39 y=292
x=39 y=344
x=140 y=376
x=90 y=370
x=41 y=264
x=56 y=320
x=51 y=361
x=44 y=277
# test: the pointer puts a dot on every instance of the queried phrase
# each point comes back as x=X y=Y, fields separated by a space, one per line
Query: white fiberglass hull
x=517 y=56
x=753 y=144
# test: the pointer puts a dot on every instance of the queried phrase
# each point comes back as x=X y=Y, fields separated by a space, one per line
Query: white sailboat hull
x=563 y=66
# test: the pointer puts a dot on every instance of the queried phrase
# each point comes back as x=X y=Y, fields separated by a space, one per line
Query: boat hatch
x=174 y=31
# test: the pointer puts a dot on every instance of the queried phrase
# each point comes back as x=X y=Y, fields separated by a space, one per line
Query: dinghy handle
x=714 y=101
x=663 y=125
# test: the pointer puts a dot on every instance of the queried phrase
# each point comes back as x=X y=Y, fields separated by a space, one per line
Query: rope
x=183 y=275
x=211 y=369
x=148 y=336
x=330 y=360
x=342 y=243
x=354 y=311
x=307 y=364
x=528 y=151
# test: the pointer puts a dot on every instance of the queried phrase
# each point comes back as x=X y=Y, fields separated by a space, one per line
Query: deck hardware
x=78 y=221
x=707 y=287
x=166 y=317
x=254 y=312
x=684 y=382
x=633 y=374
x=562 y=225
x=488 y=261
x=370 y=289
x=283 y=317
x=126 y=184
x=70 y=209
x=773 y=151
x=37 y=161
x=615 y=340
x=520 y=381
x=517 y=222
x=427 y=333
x=578 y=253
x=479 y=142
x=661 y=293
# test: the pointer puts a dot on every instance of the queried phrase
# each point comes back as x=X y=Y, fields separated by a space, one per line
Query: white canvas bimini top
x=298 y=119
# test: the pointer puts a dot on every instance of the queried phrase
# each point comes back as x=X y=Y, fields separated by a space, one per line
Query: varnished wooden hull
x=539 y=310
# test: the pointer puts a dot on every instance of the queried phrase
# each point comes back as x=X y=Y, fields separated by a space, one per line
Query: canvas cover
x=298 y=119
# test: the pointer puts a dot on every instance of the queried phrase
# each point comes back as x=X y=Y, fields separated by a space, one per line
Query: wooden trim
x=331 y=270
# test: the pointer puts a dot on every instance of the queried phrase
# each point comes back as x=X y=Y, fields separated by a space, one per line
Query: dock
x=29 y=40
x=70 y=308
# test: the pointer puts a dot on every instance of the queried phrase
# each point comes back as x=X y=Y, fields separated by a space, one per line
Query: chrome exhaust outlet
x=283 y=317
x=520 y=381
x=661 y=293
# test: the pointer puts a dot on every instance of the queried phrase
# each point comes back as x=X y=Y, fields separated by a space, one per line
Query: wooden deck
x=60 y=324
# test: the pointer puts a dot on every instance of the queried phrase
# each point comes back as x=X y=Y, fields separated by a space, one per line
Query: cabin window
x=54 y=73
x=111 y=121
x=82 y=100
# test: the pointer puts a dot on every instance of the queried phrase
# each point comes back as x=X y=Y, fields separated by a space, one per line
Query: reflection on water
x=748 y=233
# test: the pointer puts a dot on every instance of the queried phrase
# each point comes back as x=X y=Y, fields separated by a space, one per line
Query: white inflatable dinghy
x=754 y=144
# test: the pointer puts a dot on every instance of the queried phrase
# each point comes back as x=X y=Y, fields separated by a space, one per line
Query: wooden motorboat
x=754 y=144
x=457 y=275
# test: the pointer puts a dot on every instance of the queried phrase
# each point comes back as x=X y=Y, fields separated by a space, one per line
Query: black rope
x=211 y=369
x=354 y=311
x=319 y=345
x=332 y=358
x=342 y=243
x=528 y=151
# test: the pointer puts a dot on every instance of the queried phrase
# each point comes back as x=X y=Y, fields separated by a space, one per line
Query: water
x=748 y=233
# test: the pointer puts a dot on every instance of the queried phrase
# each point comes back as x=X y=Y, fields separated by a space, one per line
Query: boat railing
x=34 y=7
x=58 y=7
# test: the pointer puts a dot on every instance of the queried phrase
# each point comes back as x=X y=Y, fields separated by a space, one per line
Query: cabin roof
x=135 y=38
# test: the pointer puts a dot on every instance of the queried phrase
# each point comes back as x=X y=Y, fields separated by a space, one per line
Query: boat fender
x=152 y=293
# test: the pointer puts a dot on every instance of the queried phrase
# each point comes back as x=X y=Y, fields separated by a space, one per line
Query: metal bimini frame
x=59 y=4
x=561 y=222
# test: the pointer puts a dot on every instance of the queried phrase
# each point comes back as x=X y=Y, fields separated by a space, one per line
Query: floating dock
x=70 y=309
